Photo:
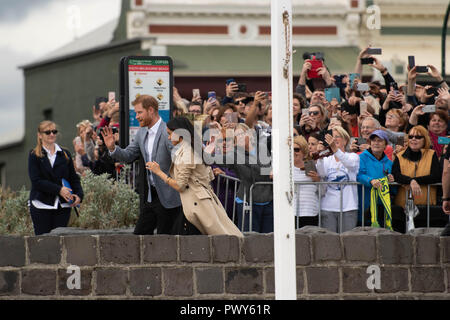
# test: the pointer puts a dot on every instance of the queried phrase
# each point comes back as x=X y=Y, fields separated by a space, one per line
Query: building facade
x=209 y=42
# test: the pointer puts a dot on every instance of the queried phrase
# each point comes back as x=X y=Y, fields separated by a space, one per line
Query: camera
x=318 y=55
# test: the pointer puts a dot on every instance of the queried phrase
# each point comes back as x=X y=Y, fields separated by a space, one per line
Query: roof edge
x=84 y=52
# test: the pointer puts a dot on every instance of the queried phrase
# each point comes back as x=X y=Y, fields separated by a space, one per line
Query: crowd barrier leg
x=340 y=213
x=226 y=194
x=362 y=205
x=234 y=202
x=428 y=206
x=320 y=205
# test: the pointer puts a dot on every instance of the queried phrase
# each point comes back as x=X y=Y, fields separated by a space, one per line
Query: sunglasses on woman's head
x=47 y=132
x=314 y=113
x=415 y=137
x=296 y=149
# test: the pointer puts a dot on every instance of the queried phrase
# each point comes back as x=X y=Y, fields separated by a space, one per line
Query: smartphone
x=242 y=87
x=310 y=165
x=394 y=87
x=338 y=81
x=362 y=107
x=331 y=93
x=374 y=51
x=195 y=93
x=429 y=108
x=411 y=62
x=353 y=140
x=367 y=60
x=444 y=140
x=421 y=69
x=361 y=141
x=230 y=81
x=400 y=141
x=433 y=91
x=315 y=64
x=354 y=76
x=305 y=111
x=363 y=87
x=212 y=94
x=111 y=96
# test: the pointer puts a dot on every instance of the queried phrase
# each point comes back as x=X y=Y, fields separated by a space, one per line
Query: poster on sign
x=145 y=75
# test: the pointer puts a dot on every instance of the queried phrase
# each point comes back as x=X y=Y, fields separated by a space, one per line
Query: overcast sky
x=30 y=29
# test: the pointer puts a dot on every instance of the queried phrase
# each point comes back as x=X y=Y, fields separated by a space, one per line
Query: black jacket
x=46 y=182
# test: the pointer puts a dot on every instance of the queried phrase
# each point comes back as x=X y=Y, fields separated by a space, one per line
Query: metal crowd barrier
x=247 y=207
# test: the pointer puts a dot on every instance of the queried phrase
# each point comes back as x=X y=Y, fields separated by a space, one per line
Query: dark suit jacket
x=46 y=182
x=161 y=153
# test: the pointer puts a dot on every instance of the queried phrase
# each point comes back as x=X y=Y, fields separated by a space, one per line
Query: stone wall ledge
x=115 y=264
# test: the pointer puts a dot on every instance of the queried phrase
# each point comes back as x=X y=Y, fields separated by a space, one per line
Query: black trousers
x=301 y=222
x=154 y=215
x=45 y=220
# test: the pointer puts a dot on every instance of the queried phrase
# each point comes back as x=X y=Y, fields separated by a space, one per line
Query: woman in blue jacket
x=374 y=164
x=51 y=200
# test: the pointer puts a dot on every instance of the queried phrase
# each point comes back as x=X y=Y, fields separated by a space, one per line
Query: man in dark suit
x=151 y=142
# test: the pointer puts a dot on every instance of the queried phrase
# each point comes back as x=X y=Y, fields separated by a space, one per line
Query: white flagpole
x=282 y=128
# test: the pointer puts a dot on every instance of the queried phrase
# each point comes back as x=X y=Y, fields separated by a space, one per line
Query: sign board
x=141 y=75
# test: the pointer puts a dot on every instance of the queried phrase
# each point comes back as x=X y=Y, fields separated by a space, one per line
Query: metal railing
x=248 y=208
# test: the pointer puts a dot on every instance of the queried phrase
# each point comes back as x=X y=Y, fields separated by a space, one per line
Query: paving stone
x=243 y=280
x=145 y=281
x=121 y=249
x=111 y=281
x=160 y=248
x=40 y=282
x=46 y=250
x=178 y=281
x=194 y=248
x=225 y=248
x=66 y=288
x=209 y=280
x=81 y=250
x=12 y=249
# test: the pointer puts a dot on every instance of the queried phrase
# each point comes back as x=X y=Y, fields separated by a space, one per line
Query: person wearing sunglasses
x=306 y=200
x=415 y=168
x=51 y=200
x=312 y=121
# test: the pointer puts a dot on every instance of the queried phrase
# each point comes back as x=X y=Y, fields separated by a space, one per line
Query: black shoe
x=446 y=231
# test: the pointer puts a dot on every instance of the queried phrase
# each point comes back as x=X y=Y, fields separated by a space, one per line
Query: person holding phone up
x=48 y=164
x=306 y=200
x=341 y=166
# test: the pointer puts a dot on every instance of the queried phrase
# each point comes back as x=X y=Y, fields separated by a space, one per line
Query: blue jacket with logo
x=371 y=168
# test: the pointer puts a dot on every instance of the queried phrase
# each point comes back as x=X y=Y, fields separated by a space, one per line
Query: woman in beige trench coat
x=191 y=178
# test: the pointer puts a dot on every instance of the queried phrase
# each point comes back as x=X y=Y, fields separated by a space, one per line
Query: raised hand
x=108 y=137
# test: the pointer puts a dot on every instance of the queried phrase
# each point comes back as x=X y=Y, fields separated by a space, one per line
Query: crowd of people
x=375 y=144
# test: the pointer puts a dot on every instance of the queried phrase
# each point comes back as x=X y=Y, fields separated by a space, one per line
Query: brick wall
x=329 y=266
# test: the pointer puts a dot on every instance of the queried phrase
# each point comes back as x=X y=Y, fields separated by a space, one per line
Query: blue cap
x=380 y=134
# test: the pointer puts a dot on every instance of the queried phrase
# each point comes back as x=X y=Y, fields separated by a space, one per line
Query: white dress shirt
x=40 y=205
x=150 y=141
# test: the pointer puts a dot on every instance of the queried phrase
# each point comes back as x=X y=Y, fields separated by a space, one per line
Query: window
x=399 y=69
